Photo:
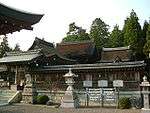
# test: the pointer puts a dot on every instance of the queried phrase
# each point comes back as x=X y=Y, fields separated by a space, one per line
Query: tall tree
x=99 y=33
x=133 y=35
x=145 y=41
x=116 y=37
x=145 y=29
x=4 y=47
x=76 y=34
x=146 y=48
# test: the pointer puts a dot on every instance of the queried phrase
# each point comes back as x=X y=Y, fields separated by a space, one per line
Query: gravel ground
x=27 y=108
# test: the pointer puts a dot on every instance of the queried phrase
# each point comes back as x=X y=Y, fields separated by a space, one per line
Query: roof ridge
x=76 y=42
x=101 y=64
x=116 y=48
x=43 y=41
x=38 y=42
x=17 y=53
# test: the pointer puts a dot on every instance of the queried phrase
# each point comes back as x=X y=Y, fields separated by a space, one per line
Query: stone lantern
x=70 y=99
x=145 y=91
x=29 y=92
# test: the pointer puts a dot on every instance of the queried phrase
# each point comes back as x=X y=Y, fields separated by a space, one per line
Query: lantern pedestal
x=69 y=99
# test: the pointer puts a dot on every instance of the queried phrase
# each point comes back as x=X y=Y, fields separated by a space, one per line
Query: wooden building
x=48 y=64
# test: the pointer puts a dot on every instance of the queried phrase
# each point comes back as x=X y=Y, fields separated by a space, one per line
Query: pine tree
x=99 y=33
x=133 y=35
x=76 y=34
x=4 y=47
x=116 y=37
x=144 y=30
x=146 y=48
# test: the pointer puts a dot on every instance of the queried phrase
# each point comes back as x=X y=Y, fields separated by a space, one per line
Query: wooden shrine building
x=47 y=65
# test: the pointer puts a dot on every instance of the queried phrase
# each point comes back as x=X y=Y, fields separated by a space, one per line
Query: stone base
x=69 y=100
x=145 y=109
x=68 y=104
x=29 y=94
x=13 y=87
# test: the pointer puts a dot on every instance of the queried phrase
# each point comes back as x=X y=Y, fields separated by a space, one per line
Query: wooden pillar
x=138 y=75
x=16 y=74
x=35 y=78
x=88 y=77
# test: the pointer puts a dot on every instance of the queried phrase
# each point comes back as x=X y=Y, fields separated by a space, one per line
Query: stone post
x=70 y=99
x=145 y=91
x=29 y=92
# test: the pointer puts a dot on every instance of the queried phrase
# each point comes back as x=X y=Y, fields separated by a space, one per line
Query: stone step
x=3 y=101
x=5 y=95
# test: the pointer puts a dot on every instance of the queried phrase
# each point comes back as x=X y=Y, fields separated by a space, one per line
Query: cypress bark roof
x=47 y=47
x=83 y=52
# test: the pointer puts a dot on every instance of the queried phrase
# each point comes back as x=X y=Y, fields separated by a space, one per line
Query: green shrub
x=42 y=99
x=124 y=103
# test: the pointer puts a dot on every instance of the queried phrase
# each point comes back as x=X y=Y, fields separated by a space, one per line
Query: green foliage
x=145 y=29
x=124 y=103
x=99 y=33
x=42 y=99
x=4 y=47
x=146 y=37
x=116 y=37
x=133 y=34
x=148 y=33
x=146 y=48
x=76 y=34
x=78 y=37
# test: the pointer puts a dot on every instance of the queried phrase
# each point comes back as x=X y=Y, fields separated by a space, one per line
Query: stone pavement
x=28 y=108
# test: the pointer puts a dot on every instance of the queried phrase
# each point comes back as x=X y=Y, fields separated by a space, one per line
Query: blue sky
x=59 y=13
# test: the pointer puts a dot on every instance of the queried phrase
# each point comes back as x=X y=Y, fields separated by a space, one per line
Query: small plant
x=124 y=103
x=42 y=99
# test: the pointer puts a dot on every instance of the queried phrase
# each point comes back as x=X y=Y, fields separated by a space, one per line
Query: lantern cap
x=70 y=74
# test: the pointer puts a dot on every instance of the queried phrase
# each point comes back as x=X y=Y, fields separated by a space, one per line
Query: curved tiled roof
x=20 y=56
x=12 y=20
x=95 y=66
x=20 y=15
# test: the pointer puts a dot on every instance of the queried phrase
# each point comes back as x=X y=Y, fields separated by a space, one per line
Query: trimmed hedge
x=124 y=103
x=42 y=99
